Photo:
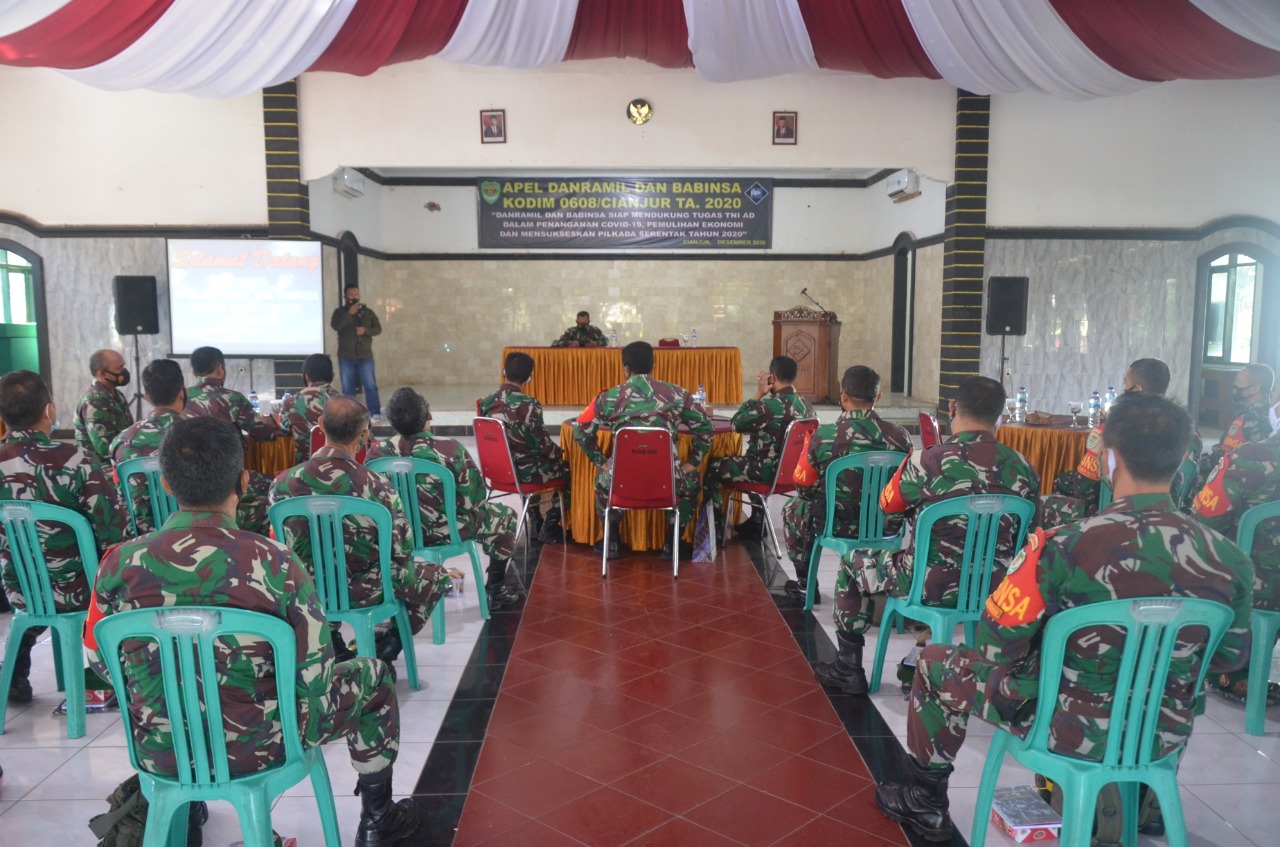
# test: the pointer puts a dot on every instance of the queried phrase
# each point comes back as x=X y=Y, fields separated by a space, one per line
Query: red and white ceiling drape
x=1066 y=48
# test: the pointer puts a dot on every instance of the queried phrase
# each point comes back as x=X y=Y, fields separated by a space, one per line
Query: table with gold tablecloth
x=641 y=530
x=573 y=376
x=1050 y=449
x=270 y=457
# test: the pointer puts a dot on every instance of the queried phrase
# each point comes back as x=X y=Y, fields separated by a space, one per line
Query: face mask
x=351 y=302
x=1274 y=414
x=1237 y=395
x=1111 y=467
x=1131 y=391
x=121 y=377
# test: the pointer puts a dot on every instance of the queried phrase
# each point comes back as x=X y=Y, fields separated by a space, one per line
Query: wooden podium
x=812 y=338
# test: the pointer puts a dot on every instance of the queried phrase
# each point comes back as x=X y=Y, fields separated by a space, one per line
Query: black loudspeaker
x=136 y=311
x=1007 y=305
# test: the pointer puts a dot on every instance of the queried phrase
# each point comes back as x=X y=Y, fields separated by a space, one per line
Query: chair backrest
x=792 y=450
x=324 y=514
x=644 y=469
x=185 y=637
x=1105 y=494
x=497 y=465
x=928 y=430
x=19 y=519
x=1184 y=479
x=1151 y=626
x=981 y=542
x=877 y=467
x=403 y=472
x=162 y=503
x=1249 y=521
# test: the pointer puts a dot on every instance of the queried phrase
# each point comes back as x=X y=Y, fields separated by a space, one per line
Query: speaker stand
x=1004 y=361
x=137 y=374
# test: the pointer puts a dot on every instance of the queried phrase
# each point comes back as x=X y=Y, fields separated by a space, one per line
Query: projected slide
x=247 y=298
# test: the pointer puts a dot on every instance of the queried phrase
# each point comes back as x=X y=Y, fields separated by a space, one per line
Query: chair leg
x=811 y=584
x=58 y=675
x=1079 y=807
x=482 y=597
x=1264 y=642
x=604 y=557
x=437 y=622
x=406 y=647
x=323 y=788
x=365 y=642
x=1175 y=825
x=987 y=786
x=675 y=544
x=255 y=818
x=882 y=643
x=68 y=647
x=768 y=522
x=524 y=511
x=17 y=629
x=162 y=820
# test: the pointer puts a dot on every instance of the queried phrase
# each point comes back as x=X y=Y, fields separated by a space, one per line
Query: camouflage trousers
x=547 y=469
x=362 y=706
x=868 y=572
x=420 y=586
x=688 y=490
x=70 y=590
x=493 y=526
x=733 y=469
x=947 y=689
x=1061 y=509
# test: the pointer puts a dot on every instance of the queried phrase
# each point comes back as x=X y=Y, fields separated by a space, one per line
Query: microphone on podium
x=804 y=292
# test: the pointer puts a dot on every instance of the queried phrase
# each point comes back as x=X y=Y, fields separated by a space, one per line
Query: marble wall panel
x=927 y=338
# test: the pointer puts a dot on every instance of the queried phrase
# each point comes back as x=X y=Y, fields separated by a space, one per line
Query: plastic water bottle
x=700 y=396
x=1109 y=400
x=1095 y=409
x=255 y=402
x=1020 y=410
x=693 y=339
x=286 y=402
x=613 y=338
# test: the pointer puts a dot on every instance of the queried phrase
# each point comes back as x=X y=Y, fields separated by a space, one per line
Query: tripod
x=137 y=370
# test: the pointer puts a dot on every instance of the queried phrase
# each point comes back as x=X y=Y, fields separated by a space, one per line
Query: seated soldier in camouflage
x=334 y=470
x=210 y=397
x=1075 y=493
x=582 y=334
x=538 y=459
x=970 y=461
x=305 y=410
x=1251 y=393
x=1248 y=476
x=35 y=467
x=1139 y=546
x=199 y=558
x=645 y=401
x=492 y=525
x=103 y=412
x=162 y=384
x=765 y=418
x=858 y=429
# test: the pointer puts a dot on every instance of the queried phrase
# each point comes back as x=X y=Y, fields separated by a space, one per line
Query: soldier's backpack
x=1108 y=819
x=125 y=821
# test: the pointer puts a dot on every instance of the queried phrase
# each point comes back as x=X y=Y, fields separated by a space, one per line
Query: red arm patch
x=1234 y=436
x=891 y=500
x=1018 y=600
x=1212 y=501
x=805 y=473
x=588 y=414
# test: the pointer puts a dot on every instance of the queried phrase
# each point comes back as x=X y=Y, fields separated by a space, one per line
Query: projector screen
x=247 y=298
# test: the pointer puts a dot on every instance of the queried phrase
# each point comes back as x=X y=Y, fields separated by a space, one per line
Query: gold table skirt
x=573 y=376
x=270 y=457
x=641 y=530
x=1050 y=449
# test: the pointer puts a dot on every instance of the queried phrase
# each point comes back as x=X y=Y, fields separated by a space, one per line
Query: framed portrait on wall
x=493 y=126
x=784 y=127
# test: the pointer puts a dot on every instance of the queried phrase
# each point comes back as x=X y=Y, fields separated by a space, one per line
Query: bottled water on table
x=1109 y=400
x=693 y=338
x=1095 y=409
x=1020 y=410
x=700 y=396
x=285 y=402
x=255 y=402
x=613 y=338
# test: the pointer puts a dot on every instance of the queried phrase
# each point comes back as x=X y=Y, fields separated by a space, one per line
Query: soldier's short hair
x=1262 y=376
x=518 y=367
x=202 y=459
x=23 y=396
x=861 y=383
x=344 y=418
x=407 y=411
x=1151 y=374
x=318 y=368
x=205 y=360
x=638 y=356
x=162 y=381
x=98 y=361
x=784 y=368
x=583 y=314
x=1151 y=433
x=981 y=398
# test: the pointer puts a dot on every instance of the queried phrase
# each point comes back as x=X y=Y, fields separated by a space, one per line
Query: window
x=1231 y=320
x=16 y=306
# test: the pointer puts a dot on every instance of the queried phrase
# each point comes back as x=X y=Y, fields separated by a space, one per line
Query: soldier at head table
x=1251 y=397
x=307 y=406
x=582 y=334
x=1139 y=546
x=209 y=396
x=103 y=412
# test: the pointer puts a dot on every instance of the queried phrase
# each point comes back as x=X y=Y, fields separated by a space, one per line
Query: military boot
x=846 y=671
x=495 y=585
x=342 y=652
x=921 y=803
x=387 y=644
x=615 y=545
x=20 y=692
x=383 y=823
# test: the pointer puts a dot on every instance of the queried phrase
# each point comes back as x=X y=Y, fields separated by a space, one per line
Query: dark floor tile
x=605 y=818
x=439 y=815
x=492 y=650
x=466 y=720
x=480 y=682
x=484 y=817
x=449 y=768
x=860 y=812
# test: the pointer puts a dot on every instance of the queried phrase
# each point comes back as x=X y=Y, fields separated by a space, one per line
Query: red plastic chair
x=668 y=342
x=644 y=477
x=317 y=441
x=783 y=481
x=928 y=430
x=498 y=467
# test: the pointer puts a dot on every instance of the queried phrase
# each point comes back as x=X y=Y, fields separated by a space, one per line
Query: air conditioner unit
x=349 y=181
x=903 y=185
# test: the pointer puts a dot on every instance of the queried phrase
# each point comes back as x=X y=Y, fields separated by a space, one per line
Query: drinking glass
x=1075 y=406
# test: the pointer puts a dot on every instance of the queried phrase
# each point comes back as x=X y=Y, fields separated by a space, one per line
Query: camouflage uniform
x=1246 y=477
x=418 y=583
x=200 y=558
x=766 y=420
x=1252 y=424
x=804 y=516
x=210 y=397
x=966 y=463
x=36 y=467
x=645 y=401
x=492 y=525
x=303 y=414
x=583 y=335
x=536 y=456
x=1075 y=493
x=143 y=439
x=102 y=414
x=1138 y=546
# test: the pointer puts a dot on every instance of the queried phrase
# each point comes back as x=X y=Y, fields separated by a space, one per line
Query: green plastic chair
x=1105 y=494
x=324 y=515
x=19 y=517
x=877 y=467
x=185 y=637
x=1184 y=480
x=981 y=540
x=403 y=471
x=1265 y=626
x=162 y=502
x=1151 y=629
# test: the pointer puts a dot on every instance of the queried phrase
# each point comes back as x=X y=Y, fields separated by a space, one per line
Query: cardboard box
x=1024 y=815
